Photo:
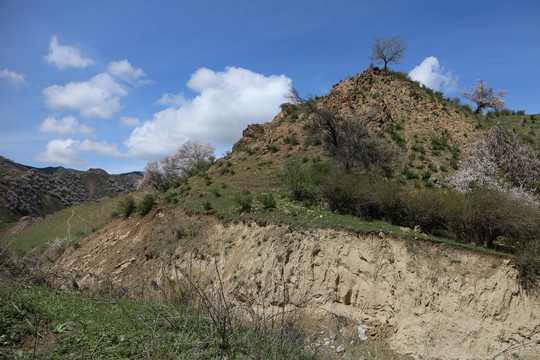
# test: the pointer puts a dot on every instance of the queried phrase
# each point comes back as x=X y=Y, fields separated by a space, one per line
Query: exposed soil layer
x=425 y=300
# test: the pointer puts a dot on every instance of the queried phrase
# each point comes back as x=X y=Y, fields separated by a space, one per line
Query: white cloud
x=66 y=125
x=123 y=70
x=63 y=56
x=61 y=152
x=130 y=121
x=68 y=151
x=227 y=103
x=101 y=148
x=432 y=75
x=173 y=99
x=14 y=78
x=98 y=97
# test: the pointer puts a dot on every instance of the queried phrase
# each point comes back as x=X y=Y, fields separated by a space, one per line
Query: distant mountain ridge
x=26 y=191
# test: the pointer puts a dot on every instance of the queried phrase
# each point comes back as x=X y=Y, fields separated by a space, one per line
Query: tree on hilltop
x=485 y=97
x=388 y=50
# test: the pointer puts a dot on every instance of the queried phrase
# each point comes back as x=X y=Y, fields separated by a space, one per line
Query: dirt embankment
x=427 y=300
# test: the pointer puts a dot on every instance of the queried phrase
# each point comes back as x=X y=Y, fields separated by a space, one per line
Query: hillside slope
x=33 y=192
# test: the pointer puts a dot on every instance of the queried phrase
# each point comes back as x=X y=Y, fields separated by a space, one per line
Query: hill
x=410 y=265
x=31 y=192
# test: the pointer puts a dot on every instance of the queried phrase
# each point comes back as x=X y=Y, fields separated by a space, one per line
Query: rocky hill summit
x=28 y=192
x=434 y=133
x=392 y=99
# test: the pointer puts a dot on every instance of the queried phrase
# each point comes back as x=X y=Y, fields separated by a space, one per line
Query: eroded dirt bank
x=427 y=300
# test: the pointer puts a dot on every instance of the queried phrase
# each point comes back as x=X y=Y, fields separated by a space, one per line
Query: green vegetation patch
x=48 y=324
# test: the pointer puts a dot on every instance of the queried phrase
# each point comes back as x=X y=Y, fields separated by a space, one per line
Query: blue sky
x=113 y=84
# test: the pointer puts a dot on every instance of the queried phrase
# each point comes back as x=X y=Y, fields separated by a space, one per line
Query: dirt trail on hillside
x=69 y=222
x=426 y=300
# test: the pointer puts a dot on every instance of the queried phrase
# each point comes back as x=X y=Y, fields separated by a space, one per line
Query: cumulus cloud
x=63 y=56
x=227 y=102
x=68 y=151
x=123 y=70
x=66 y=125
x=14 y=78
x=173 y=99
x=130 y=121
x=431 y=74
x=99 y=97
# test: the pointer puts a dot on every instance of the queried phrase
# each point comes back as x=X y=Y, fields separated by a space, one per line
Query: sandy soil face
x=425 y=300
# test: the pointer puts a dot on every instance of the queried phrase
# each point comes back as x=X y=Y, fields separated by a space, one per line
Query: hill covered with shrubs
x=35 y=192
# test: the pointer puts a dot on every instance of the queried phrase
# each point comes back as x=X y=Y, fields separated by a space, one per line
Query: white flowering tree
x=500 y=163
x=170 y=168
x=485 y=97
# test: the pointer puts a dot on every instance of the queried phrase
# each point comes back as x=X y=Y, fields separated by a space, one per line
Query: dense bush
x=146 y=204
x=268 y=201
x=427 y=210
x=245 y=201
x=349 y=194
x=528 y=264
x=483 y=217
x=126 y=206
x=298 y=181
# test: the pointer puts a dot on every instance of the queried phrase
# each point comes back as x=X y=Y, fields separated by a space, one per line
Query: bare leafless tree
x=348 y=140
x=485 y=97
x=388 y=50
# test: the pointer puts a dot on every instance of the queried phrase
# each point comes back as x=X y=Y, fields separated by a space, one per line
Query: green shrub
x=164 y=186
x=146 y=204
x=273 y=148
x=427 y=209
x=245 y=201
x=393 y=202
x=268 y=201
x=483 y=216
x=126 y=206
x=349 y=194
x=396 y=137
x=207 y=205
x=528 y=264
x=298 y=181
x=291 y=140
x=439 y=143
x=419 y=148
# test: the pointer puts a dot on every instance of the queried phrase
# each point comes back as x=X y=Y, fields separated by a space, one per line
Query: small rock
x=340 y=349
x=332 y=335
x=362 y=334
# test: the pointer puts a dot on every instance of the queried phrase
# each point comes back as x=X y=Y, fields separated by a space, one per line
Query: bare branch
x=388 y=50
